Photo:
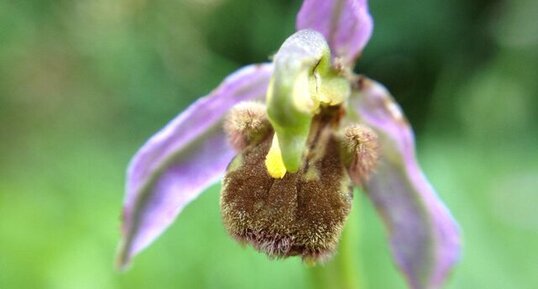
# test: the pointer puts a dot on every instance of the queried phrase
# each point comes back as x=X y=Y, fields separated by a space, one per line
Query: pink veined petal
x=425 y=239
x=346 y=24
x=180 y=161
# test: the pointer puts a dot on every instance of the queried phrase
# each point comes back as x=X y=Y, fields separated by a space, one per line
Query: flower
x=312 y=95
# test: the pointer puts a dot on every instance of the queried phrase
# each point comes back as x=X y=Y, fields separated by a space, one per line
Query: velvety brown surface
x=300 y=215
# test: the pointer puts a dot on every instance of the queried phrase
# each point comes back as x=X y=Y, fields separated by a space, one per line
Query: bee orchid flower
x=290 y=139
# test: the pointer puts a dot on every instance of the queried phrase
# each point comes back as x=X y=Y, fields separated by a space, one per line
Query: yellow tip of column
x=273 y=161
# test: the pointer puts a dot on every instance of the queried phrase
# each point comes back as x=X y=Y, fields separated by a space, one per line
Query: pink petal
x=346 y=24
x=425 y=238
x=180 y=161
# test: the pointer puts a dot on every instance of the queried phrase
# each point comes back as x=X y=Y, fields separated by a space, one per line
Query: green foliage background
x=84 y=83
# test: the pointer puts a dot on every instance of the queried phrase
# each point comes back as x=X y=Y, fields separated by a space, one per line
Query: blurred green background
x=84 y=83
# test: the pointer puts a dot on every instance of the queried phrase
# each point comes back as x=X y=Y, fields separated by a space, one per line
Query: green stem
x=343 y=271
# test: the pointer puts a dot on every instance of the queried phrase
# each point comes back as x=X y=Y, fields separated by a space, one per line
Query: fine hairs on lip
x=303 y=213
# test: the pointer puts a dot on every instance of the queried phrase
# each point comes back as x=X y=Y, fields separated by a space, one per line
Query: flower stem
x=343 y=271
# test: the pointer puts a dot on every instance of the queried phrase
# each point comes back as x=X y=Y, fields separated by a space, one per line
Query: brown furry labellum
x=302 y=214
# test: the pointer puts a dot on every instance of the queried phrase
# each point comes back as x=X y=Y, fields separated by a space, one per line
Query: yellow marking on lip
x=273 y=160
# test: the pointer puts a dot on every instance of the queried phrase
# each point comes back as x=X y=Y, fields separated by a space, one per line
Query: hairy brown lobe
x=361 y=152
x=301 y=214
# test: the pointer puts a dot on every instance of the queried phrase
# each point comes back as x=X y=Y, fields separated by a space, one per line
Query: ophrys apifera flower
x=309 y=131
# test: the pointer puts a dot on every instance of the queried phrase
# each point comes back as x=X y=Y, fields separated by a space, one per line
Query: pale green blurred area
x=84 y=83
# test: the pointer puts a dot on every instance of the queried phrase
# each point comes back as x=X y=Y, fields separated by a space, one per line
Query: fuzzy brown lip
x=300 y=215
